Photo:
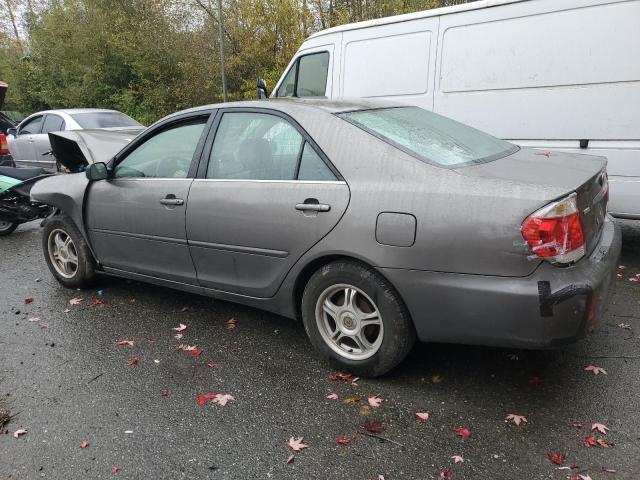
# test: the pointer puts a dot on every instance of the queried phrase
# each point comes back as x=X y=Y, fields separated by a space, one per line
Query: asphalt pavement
x=66 y=382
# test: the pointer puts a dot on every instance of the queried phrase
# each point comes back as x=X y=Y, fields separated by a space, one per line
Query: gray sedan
x=29 y=141
x=374 y=223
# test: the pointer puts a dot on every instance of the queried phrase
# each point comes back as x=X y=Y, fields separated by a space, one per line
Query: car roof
x=70 y=111
x=290 y=105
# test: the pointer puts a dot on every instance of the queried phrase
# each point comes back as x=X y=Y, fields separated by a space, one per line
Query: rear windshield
x=104 y=120
x=430 y=137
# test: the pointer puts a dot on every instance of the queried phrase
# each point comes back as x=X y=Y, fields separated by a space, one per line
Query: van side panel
x=395 y=61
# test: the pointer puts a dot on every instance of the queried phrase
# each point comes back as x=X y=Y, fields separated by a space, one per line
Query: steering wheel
x=170 y=167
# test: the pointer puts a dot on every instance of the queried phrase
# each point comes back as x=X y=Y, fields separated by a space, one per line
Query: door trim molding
x=156 y=238
x=240 y=249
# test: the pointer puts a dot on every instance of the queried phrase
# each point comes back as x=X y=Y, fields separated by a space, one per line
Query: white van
x=552 y=74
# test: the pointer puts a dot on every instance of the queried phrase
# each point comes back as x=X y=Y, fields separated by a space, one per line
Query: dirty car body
x=455 y=227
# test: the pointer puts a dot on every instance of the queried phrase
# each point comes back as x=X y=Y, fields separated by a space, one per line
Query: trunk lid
x=3 y=92
x=75 y=149
x=560 y=174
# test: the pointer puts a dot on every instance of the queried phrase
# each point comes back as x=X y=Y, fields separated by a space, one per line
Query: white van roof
x=434 y=12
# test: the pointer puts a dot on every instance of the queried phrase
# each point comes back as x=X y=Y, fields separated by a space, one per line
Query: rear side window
x=307 y=77
x=430 y=137
x=104 y=120
x=52 y=123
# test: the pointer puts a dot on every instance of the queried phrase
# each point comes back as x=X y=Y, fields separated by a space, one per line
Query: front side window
x=104 y=120
x=53 y=123
x=167 y=154
x=307 y=77
x=430 y=137
x=32 y=126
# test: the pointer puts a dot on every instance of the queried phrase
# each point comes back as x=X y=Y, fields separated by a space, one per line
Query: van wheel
x=67 y=253
x=356 y=318
x=7 y=227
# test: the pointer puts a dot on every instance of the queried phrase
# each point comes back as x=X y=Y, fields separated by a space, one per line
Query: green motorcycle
x=16 y=206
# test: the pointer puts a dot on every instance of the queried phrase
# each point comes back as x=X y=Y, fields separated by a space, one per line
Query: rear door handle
x=172 y=200
x=313 y=207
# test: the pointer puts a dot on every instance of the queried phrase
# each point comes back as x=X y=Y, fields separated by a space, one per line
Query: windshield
x=104 y=120
x=430 y=137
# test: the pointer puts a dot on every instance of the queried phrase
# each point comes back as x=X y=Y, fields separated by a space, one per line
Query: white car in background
x=557 y=75
x=29 y=141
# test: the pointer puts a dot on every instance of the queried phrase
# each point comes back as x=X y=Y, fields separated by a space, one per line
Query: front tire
x=67 y=253
x=356 y=318
x=7 y=228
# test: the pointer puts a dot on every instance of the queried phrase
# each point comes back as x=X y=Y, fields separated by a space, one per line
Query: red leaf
x=96 y=301
x=535 y=380
x=447 y=473
x=133 y=361
x=557 y=458
x=374 y=426
x=27 y=301
x=84 y=444
x=180 y=328
x=343 y=440
x=374 y=401
x=115 y=469
x=210 y=396
x=230 y=324
x=197 y=352
x=164 y=393
x=590 y=441
x=340 y=377
x=333 y=396
x=202 y=400
x=122 y=343
x=463 y=432
x=422 y=416
x=296 y=444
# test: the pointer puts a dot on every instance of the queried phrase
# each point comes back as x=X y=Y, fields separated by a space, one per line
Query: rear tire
x=354 y=317
x=7 y=228
x=67 y=254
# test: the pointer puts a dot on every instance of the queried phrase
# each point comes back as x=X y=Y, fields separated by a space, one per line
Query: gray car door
x=266 y=195
x=22 y=147
x=136 y=218
x=41 y=144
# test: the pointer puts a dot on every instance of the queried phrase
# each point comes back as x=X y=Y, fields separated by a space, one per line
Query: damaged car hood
x=75 y=149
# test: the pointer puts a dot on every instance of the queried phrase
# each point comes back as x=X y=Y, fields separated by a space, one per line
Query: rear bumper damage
x=551 y=306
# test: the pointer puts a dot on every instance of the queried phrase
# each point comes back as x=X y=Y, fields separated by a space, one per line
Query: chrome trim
x=331 y=182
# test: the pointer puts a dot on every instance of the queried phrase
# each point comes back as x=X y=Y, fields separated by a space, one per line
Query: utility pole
x=221 y=40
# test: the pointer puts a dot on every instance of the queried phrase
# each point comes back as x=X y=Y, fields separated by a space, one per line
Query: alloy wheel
x=63 y=253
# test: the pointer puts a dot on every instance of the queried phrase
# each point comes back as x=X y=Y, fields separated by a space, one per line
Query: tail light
x=555 y=232
x=4 y=145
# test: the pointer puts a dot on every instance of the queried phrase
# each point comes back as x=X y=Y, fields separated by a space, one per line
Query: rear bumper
x=624 y=197
x=551 y=306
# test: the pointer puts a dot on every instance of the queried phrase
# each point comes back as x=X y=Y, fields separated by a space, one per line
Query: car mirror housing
x=97 y=171
x=263 y=94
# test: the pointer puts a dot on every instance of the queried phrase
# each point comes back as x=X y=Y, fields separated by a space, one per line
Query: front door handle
x=312 y=205
x=172 y=200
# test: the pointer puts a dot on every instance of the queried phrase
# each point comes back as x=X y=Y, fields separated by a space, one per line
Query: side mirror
x=263 y=94
x=12 y=131
x=97 y=171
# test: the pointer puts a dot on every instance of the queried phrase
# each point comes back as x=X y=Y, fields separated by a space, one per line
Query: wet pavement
x=67 y=382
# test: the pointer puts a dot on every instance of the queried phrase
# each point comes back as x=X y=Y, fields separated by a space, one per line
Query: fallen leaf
x=340 y=377
x=196 y=352
x=164 y=393
x=296 y=444
x=180 y=328
x=354 y=381
x=447 y=473
x=230 y=324
x=124 y=342
x=351 y=401
x=590 y=441
x=213 y=364
x=517 y=419
x=223 y=399
x=600 y=428
x=27 y=301
x=422 y=416
x=34 y=319
x=621 y=267
x=365 y=410
x=374 y=401
x=535 y=380
x=97 y=301
x=202 y=400
x=609 y=470
x=602 y=443
x=290 y=459
x=457 y=459
x=178 y=336
x=186 y=348
x=75 y=301
x=584 y=477
x=437 y=379
x=463 y=432
x=343 y=440
x=133 y=361
x=374 y=426
x=115 y=469
x=66 y=310
x=595 y=370
x=578 y=424
x=19 y=432
x=557 y=458
x=333 y=396
x=84 y=444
